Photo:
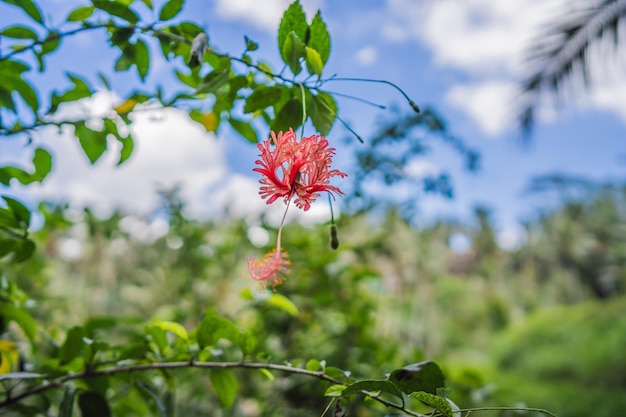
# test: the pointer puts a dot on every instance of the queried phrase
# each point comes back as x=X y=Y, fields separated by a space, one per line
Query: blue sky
x=461 y=57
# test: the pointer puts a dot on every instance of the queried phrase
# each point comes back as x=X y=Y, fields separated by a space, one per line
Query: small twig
x=538 y=410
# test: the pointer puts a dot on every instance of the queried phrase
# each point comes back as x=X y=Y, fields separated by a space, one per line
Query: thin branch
x=538 y=410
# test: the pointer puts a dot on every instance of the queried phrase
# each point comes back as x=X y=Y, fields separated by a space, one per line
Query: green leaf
x=424 y=376
x=293 y=20
x=126 y=60
x=93 y=143
x=210 y=121
x=173 y=327
x=7 y=245
x=25 y=250
x=21 y=317
x=334 y=390
x=80 y=13
x=19 y=32
x=319 y=38
x=154 y=395
x=224 y=385
x=148 y=3
x=283 y=303
x=170 y=9
x=262 y=97
x=373 y=385
x=42 y=160
x=67 y=403
x=27 y=92
x=247 y=342
x=213 y=328
x=322 y=110
x=244 y=129
x=20 y=212
x=92 y=404
x=313 y=365
x=313 y=61
x=289 y=116
x=29 y=7
x=440 y=404
x=142 y=58
x=292 y=50
x=250 y=44
x=51 y=43
x=213 y=81
x=73 y=345
x=117 y=9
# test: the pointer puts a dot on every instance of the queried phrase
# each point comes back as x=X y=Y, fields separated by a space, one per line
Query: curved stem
x=414 y=106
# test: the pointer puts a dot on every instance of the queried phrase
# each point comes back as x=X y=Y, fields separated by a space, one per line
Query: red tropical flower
x=270 y=269
x=296 y=168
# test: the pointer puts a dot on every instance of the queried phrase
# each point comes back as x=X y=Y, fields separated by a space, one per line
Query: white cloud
x=367 y=56
x=264 y=14
x=611 y=97
x=488 y=103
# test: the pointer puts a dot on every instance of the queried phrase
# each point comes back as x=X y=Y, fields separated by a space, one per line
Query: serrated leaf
x=94 y=143
x=173 y=327
x=224 y=385
x=23 y=319
x=213 y=81
x=262 y=97
x=244 y=129
x=292 y=50
x=19 y=32
x=440 y=404
x=293 y=20
x=29 y=7
x=319 y=38
x=92 y=404
x=424 y=376
x=170 y=9
x=289 y=116
x=73 y=345
x=313 y=61
x=213 y=328
x=373 y=385
x=142 y=58
x=334 y=390
x=283 y=303
x=117 y=9
x=80 y=13
x=322 y=110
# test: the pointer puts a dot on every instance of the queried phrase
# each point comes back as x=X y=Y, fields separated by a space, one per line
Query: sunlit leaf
x=313 y=61
x=170 y=9
x=172 y=327
x=80 y=13
x=319 y=38
x=293 y=20
x=209 y=121
x=283 y=303
x=292 y=50
x=334 y=390
x=224 y=385
x=19 y=32
x=440 y=404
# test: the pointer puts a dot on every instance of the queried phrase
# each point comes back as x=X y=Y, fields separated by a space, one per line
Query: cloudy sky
x=461 y=56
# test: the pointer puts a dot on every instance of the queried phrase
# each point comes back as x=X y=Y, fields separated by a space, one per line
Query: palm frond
x=559 y=58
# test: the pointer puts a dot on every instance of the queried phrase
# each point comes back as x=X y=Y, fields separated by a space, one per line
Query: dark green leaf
x=51 y=43
x=213 y=327
x=224 y=385
x=6 y=100
x=7 y=245
x=142 y=58
x=190 y=80
x=322 y=110
x=92 y=404
x=213 y=81
x=262 y=97
x=289 y=116
x=373 y=385
x=80 y=13
x=293 y=20
x=25 y=250
x=440 y=404
x=292 y=50
x=117 y=9
x=424 y=376
x=319 y=38
x=20 y=212
x=73 y=345
x=313 y=62
x=93 y=143
x=21 y=317
x=29 y=7
x=170 y=9
x=67 y=404
x=127 y=59
x=27 y=92
x=19 y=32
x=244 y=129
